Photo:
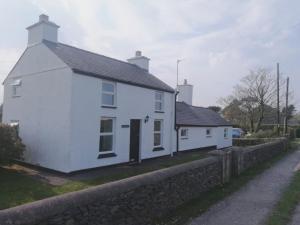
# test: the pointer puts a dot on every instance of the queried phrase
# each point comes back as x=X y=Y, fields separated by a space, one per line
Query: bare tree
x=257 y=90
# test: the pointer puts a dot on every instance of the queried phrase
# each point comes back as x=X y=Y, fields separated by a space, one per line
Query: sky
x=219 y=41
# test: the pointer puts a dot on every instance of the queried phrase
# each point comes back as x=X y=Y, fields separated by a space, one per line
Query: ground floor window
x=184 y=133
x=226 y=133
x=106 y=135
x=208 y=132
x=158 y=135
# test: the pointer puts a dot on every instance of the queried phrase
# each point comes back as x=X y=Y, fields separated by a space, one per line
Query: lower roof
x=188 y=115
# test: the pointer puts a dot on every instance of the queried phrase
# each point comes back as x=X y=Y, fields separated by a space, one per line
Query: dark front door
x=134 y=140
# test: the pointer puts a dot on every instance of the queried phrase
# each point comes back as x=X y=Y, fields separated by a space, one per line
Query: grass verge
x=282 y=214
x=184 y=213
x=17 y=188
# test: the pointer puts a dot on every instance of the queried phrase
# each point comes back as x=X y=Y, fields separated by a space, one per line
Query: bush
x=264 y=134
x=298 y=133
x=11 y=146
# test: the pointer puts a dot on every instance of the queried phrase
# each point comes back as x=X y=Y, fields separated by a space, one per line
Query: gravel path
x=252 y=203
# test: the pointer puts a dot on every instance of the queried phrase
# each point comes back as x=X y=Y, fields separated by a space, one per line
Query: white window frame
x=226 y=133
x=113 y=133
x=159 y=101
x=16 y=85
x=158 y=132
x=186 y=136
x=113 y=93
x=210 y=132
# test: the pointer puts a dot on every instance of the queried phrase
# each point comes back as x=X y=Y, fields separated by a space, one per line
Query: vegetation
x=17 y=188
x=11 y=146
x=284 y=209
x=253 y=102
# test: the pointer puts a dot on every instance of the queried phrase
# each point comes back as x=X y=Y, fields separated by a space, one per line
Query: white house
x=78 y=110
x=198 y=127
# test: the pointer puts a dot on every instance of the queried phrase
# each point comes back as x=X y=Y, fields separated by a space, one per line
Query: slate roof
x=187 y=115
x=95 y=65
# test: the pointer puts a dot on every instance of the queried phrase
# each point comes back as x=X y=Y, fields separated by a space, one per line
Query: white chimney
x=42 y=30
x=185 y=93
x=140 y=61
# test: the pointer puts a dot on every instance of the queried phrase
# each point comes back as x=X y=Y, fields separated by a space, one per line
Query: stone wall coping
x=34 y=212
x=259 y=146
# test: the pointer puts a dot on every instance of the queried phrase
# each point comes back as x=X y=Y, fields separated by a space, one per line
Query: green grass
x=289 y=200
x=195 y=207
x=17 y=188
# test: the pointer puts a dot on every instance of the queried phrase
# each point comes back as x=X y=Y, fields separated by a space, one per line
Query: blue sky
x=219 y=40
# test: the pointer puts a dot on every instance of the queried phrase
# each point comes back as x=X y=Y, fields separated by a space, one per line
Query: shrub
x=291 y=133
x=11 y=146
x=298 y=133
x=264 y=134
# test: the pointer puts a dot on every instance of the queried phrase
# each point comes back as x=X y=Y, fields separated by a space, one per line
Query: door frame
x=139 y=159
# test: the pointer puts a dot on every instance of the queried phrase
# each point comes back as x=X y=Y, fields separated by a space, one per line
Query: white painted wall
x=132 y=103
x=197 y=138
x=222 y=141
x=43 y=108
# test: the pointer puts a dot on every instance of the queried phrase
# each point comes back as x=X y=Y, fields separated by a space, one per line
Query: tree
x=257 y=90
x=217 y=109
x=290 y=111
x=11 y=146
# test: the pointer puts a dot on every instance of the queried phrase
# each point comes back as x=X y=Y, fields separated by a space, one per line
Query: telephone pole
x=278 y=107
x=286 y=106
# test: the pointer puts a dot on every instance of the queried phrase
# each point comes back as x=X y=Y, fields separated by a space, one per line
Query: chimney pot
x=138 y=53
x=185 y=81
x=43 y=18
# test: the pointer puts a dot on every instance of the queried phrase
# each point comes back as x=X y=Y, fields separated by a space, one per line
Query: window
x=159 y=101
x=106 y=135
x=16 y=86
x=158 y=133
x=108 y=94
x=184 y=133
x=208 y=132
x=226 y=133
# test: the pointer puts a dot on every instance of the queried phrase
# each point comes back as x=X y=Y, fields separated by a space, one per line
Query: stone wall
x=246 y=157
x=136 y=200
x=140 y=199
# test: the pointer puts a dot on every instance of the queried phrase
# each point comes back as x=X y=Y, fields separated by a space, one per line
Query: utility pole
x=278 y=107
x=286 y=105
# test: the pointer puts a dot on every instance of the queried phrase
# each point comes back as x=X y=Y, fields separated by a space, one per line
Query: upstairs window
x=158 y=133
x=159 y=101
x=16 y=86
x=225 y=132
x=106 y=135
x=108 y=94
x=184 y=133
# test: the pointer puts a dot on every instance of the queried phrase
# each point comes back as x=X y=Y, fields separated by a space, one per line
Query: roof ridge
x=94 y=53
